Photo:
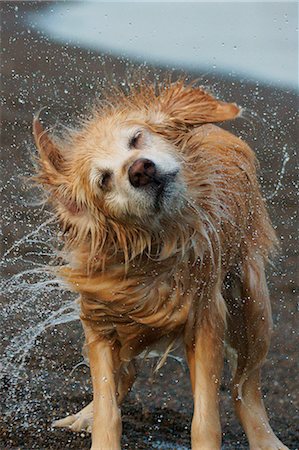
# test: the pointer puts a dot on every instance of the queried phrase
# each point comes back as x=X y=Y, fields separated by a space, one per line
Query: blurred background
x=254 y=40
x=60 y=56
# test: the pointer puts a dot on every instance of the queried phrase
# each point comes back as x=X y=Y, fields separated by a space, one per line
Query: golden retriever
x=166 y=237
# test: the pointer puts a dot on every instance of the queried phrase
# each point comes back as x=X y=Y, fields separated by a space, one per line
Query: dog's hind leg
x=249 y=330
x=82 y=420
x=205 y=360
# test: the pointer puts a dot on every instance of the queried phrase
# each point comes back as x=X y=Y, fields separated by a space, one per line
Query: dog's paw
x=82 y=421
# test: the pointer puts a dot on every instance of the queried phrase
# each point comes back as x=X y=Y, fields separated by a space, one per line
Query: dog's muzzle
x=144 y=175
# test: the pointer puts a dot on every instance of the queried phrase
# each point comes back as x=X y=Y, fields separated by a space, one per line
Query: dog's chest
x=138 y=311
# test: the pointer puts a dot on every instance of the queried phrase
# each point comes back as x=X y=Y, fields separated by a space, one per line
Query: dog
x=166 y=237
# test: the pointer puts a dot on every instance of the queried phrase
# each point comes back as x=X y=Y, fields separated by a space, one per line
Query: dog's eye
x=104 y=180
x=135 y=141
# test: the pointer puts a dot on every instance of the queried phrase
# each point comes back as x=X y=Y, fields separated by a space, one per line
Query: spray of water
x=34 y=302
x=279 y=184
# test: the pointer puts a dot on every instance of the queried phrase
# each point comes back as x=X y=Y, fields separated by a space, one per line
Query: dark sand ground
x=158 y=412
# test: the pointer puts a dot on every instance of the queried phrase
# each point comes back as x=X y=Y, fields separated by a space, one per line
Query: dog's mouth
x=159 y=195
x=161 y=188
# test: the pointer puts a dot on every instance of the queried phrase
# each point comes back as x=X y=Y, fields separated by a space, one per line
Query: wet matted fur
x=166 y=237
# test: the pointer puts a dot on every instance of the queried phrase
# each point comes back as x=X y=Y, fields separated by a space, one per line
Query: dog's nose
x=142 y=172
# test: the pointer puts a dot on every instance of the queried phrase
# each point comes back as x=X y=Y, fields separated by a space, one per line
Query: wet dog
x=166 y=238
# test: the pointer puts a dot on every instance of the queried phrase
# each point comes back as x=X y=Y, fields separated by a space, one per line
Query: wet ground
x=157 y=414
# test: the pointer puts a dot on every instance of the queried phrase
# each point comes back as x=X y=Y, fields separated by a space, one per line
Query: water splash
x=30 y=238
x=21 y=345
x=279 y=185
x=34 y=301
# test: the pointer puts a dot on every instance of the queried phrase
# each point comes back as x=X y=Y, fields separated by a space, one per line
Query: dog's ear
x=186 y=106
x=50 y=158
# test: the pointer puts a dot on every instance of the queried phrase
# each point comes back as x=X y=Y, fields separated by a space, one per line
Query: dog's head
x=126 y=162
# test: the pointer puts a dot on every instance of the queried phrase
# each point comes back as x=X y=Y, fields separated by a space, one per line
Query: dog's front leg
x=106 y=428
x=205 y=359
